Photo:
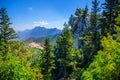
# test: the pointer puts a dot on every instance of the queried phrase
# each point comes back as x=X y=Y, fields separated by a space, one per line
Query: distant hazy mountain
x=38 y=32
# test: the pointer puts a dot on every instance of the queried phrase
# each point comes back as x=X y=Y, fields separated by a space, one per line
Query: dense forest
x=87 y=49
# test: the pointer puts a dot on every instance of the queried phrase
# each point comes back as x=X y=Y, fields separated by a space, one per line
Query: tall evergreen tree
x=48 y=64
x=90 y=38
x=94 y=21
x=83 y=23
x=109 y=15
x=105 y=65
x=6 y=32
x=93 y=29
x=66 y=52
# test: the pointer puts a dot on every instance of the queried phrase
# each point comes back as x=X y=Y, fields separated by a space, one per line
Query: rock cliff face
x=35 y=45
x=82 y=23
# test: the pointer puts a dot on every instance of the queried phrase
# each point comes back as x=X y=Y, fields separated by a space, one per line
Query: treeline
x=95 y=56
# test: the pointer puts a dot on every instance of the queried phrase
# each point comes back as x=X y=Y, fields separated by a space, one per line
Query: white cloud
x=51 y=24
x=41 y=23
x=30 y=8
x=30 y=26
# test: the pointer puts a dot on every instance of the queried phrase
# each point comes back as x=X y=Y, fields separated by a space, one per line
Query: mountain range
x=38 y=32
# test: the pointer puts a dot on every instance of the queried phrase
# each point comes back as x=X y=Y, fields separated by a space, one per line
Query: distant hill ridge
x=42 y=39
x=38 y=32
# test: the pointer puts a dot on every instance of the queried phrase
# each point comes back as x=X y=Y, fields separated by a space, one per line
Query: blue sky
x=26 y=14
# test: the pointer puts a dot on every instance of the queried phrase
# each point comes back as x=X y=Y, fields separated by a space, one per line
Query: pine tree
x=66 y=52
x=109 y=15
x=117 y=24
x=106 y=63
x=83 y=23
x=6 y=32
x=92 y=40
x=94 y=21
x=48 y=64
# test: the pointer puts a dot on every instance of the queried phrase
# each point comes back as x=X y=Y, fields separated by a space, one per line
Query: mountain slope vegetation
x=96 y=57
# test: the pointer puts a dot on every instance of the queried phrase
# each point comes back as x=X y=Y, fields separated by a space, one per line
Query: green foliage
x=76 y=74
x=109 y=15
x=117 y=28
x=66 y=53
x=36 y=57
x=6 y=33
x=16 y=64
x=48 y=62
x=20 y=62
x=91 y=35
x=13 y=69
x=106 y=64
x=15 y=57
